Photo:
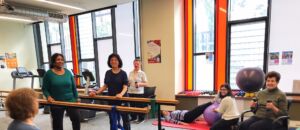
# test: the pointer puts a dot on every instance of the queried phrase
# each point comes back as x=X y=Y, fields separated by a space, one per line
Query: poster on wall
x=11 y=60
x=209 y=57
x=274 y=58
x=2 y=61
x=154 y=51
x=287 y=57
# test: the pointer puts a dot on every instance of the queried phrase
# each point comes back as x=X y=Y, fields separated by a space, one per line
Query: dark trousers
x=57 y=114
x=138 y=116
x=191 y=115
x=255 y=123
x=125 y=116
x=224 y=124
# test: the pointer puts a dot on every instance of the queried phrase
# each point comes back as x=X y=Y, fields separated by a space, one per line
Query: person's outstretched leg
x=196 y=112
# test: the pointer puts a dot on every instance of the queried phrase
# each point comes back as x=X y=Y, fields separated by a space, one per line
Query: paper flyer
x=11 y=60
x=287 y=57
x=274 y=58
x=154 y=51
x=2 y=61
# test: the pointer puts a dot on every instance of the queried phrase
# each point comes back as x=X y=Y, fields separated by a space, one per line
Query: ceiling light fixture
x=60 y=4
x=15 y=19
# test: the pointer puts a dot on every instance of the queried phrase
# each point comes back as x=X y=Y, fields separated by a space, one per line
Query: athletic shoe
x=134 y=120
x=140 y=121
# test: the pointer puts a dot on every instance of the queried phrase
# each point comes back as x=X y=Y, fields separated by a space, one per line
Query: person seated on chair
x=228 y=109
x=137 y=82
x=271 y=103
x=22 y=106
x=184 y=117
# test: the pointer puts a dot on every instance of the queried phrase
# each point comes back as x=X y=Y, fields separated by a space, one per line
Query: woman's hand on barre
x=119 y=95
x=92 y=94
x=50 y=99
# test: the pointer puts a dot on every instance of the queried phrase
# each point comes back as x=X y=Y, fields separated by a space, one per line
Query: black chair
x=282 y=120
x=149 y=92
x=41 y=72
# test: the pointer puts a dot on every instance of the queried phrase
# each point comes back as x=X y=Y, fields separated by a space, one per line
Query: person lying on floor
x=184 y=117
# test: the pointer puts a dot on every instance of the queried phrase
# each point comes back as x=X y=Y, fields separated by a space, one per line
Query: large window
x=100 y=33
x=86 y=36
x=53 y=37
x=248 y=20
x=247 y=9
x=103 y=23
x=125 y=35
x=203 y=54
x=104 y=32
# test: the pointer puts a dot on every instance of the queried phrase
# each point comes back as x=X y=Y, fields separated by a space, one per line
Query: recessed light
x=15 y=19
x=60 y=4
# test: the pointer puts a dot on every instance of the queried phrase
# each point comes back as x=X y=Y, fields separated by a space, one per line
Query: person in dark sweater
x=271 y=103
x=116 y=82
x=22 y=106
x=59 y=85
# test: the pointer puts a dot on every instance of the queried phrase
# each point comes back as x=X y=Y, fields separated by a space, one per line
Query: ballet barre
x=132 y=99
x=93 y=106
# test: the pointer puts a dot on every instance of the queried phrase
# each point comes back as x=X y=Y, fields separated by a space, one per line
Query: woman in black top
x=116 y=82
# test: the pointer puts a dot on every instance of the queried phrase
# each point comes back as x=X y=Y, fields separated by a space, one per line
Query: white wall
x=17 y=37
x=179 y=45
x=159 y=21
x=284 y=36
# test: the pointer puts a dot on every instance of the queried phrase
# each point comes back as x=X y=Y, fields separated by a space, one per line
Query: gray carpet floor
x=100 y=122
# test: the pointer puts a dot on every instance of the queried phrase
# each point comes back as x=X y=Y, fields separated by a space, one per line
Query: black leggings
x=57 y=114
x=139 y=116
x=224 y=124
x=256 y=123
x=191 y=115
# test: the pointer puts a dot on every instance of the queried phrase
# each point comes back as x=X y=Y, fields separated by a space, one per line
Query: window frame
x=37 y=32
x=229 y=24
x=136 y=19
x=195 y=54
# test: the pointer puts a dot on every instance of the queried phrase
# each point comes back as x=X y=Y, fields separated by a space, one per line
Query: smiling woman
x=59 y=85
x=271 y=103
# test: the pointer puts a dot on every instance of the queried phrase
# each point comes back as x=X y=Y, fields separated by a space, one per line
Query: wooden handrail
x=4 y=91
x=132 y=99
x=1 y=96
x=94 y=106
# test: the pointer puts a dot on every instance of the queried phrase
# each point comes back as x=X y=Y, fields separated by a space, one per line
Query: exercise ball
x=210 y=116
x=250 y=79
